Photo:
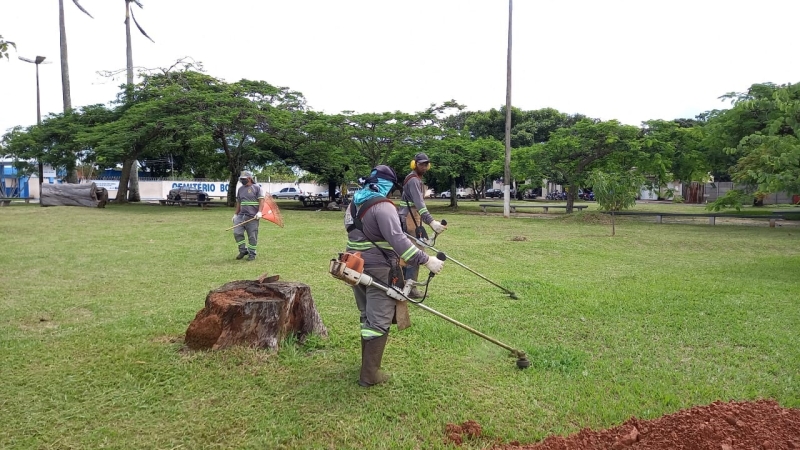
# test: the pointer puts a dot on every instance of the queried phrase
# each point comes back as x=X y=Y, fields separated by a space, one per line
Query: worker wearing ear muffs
x=413 y=212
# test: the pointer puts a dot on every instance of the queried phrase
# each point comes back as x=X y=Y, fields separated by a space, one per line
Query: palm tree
x=64 y=63
x=65 y=91
x=133 y=193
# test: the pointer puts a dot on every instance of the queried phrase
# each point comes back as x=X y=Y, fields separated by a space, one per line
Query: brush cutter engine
x=350 y=269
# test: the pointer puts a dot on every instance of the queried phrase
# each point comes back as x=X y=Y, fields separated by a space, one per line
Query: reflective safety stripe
x=423 y=211
x=361 y=245
x=367 y=333
x=253 y=247
x=250 y=203
x=240 y=242
x=409 y=253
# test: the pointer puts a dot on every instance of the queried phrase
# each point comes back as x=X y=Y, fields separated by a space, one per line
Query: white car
x=289 y=192
x=460 y=193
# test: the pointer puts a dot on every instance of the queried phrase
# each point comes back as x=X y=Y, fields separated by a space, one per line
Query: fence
x=713 y=191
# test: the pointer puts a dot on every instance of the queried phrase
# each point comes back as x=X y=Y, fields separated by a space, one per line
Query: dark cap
x=421 y=158
x=385 y=172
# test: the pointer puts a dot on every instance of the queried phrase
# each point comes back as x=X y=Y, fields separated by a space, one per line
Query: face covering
x=365 y=193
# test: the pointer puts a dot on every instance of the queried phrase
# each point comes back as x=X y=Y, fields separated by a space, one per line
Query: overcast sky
x=612 y=59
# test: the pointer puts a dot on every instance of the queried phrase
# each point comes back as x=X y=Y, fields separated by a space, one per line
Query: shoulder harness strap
x=358 y=213
x=409 y=177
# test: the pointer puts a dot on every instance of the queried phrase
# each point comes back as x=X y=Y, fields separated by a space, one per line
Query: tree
x=59 y=136
x=134 y=195
x=22 y=145
x=324 y=148
x=673 y=149
x=770 y=157
x=571 y=153
x=4 y=45
x=615 y=191
x=65 y=88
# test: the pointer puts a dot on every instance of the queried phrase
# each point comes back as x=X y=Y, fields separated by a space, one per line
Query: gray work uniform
x=413 y=203
x=382 y=225
x=413 y=213
x=248 y=197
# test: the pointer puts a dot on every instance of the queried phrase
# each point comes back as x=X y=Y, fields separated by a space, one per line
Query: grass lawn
x=94 y=304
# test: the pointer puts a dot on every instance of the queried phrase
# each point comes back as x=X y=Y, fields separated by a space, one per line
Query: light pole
x=507 y=172
x=37 y=61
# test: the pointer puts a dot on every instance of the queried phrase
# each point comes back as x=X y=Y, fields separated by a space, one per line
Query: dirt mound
x=762 y=425
x=588 y=217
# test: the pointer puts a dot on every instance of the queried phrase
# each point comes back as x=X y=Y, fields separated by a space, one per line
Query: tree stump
x=258 y=313
x=85 y=194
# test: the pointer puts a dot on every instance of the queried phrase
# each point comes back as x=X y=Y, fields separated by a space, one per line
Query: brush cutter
x=350 y=269
x=428 y=243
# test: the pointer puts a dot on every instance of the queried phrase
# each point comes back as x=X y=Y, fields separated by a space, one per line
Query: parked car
x=289 y=192
x=336 y=194
x=186 y=194
x=494 y=193
x=460 y=193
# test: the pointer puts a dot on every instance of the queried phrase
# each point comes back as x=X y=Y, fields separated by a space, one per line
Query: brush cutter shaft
x=340 y=270
x=517 y=353
x=450 y=258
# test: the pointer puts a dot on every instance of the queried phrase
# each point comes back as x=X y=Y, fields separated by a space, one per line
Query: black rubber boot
x=371 y=373
x=252 y=257
x=242 y=254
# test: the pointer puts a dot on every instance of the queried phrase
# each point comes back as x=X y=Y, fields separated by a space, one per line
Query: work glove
x=234 y=219
x=438 y=227
x=434 y=265
x=258 y=215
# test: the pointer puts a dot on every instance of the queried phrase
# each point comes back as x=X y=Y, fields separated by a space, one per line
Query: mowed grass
x=94 y=304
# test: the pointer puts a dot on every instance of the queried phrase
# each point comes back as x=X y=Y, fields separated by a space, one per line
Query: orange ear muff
x=413 y=164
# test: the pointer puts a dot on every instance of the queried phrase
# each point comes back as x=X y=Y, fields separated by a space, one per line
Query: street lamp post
x=37 y=61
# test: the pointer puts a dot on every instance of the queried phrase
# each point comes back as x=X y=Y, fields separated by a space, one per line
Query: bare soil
x=759 y=425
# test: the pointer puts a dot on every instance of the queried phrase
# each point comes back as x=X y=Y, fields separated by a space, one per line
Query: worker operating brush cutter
x=373 y=229
x=375 y=244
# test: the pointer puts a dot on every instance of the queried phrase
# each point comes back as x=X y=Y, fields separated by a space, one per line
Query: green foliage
x=4 y=45
x=760 y=136
x=615 y=191
x=673 y=151
x=734 y=198
x=572 y=153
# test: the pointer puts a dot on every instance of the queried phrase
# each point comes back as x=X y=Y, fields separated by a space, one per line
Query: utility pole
x=37 y=61
x=507 y=174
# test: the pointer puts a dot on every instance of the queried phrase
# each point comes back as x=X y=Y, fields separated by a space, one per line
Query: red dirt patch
x=759 y=425
x=457 y=433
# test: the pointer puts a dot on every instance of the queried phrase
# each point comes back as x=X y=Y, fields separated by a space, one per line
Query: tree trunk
x=133 y=190
x=234 y=179
x=122 y=192
x=73 y=195
x=453 y=193
x=570 y=198
x=65 y=94
x=256 y=314
x=613 y=229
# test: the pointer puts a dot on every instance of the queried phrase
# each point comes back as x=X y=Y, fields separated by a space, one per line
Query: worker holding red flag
x=249 y=204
